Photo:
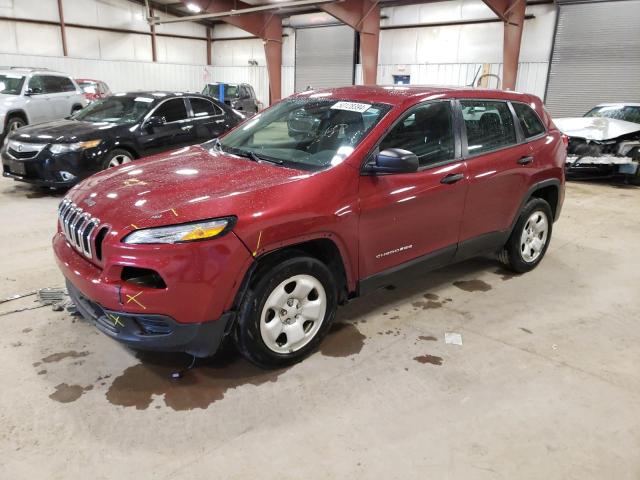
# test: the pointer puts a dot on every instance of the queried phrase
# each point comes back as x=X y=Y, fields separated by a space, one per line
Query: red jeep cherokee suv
x=326 y=195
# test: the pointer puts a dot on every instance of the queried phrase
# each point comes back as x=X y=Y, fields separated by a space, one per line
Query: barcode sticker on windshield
x=351 y=106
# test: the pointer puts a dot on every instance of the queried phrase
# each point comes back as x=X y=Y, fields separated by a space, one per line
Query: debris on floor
x=453 y=338
x=51 y=295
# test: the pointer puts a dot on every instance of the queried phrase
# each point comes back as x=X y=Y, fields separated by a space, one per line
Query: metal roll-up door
x=596 y=56
x=324 y=57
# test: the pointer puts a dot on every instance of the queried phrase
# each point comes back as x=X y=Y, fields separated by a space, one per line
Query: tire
x=273 y=311
x=116 y=157
x=14 y=123
x=530 y=238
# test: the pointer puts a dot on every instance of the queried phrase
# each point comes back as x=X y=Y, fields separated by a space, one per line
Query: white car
x=604 y=142
x=30 y=96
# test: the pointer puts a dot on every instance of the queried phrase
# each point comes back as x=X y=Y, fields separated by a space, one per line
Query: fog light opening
x=66 y=176
x=143 y=277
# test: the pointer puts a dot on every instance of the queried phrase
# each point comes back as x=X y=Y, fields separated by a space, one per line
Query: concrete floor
x=545 y=385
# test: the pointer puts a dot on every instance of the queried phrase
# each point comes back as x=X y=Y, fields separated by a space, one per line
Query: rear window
x=489 y=125
x=529 y=121
x=204 y=108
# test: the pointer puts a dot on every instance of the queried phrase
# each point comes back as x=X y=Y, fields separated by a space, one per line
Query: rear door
x=173 y=133
x=208 y=120
x=37 y=105
x=499 y=168
x=411 y=216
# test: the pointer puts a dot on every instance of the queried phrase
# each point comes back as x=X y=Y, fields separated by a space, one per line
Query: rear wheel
x=287 y=312
x=116 y=157
x=530 y=238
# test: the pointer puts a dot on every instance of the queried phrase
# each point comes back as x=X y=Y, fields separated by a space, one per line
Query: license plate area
x=17 y=168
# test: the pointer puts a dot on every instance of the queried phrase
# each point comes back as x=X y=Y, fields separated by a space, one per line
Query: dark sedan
x=111 y=132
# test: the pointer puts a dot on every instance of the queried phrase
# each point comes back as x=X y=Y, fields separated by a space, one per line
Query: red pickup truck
x=259 y=235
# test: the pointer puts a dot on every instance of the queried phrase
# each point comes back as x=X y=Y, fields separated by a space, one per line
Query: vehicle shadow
x=18 y=189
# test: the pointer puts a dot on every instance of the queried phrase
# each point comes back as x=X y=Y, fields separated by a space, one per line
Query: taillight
x=565 y=140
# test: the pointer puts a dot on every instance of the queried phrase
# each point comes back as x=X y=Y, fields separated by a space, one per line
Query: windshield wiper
x=251 y=155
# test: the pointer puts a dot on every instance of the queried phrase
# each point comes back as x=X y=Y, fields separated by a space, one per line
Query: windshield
x=11 y=84
x=115 y=110
x=305 y=133
x=627 y=112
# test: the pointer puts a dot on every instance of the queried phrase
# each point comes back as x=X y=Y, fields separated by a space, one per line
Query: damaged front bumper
x=153 y=332
x=607 y=165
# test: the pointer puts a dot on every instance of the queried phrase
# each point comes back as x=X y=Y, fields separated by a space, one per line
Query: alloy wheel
x=293 y=314
x=119 y=159
x=16 y=125
x=534 y=236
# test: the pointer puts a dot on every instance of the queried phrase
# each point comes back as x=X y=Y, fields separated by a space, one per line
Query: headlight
x=187 y=232
x=57 y=148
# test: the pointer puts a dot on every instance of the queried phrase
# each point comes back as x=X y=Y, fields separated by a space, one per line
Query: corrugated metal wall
x=596 y=56
x=324 y=57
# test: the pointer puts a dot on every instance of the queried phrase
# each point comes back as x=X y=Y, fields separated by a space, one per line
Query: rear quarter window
x=529 y=121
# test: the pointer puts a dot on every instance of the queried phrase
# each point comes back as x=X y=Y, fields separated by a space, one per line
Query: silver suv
x=29 y=95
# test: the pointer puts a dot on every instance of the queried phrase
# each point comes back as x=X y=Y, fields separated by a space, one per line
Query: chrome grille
x=77 y=227
x=23 y=150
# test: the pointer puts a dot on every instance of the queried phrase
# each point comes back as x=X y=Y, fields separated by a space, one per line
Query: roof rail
x=15 y=67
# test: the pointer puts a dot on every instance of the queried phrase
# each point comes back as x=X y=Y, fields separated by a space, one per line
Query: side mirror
x=394 y=160
x=155 y=122
x=33 y=91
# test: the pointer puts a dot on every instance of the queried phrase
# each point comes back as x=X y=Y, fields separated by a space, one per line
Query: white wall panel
x=9 y=41
x=31 y=9
x=287 y=84
x=180 y=28
x=181 y=50
x=237 y=52
x=120 y=75
x=41 y=39
x=83 y=43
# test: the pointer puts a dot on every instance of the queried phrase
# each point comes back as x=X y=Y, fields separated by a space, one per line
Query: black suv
x=111 y=132
x=240 y=96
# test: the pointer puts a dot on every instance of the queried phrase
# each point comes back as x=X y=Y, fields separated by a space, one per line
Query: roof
x=27 y=70
x=397 y=94
x=159 y=94
x=87 y=80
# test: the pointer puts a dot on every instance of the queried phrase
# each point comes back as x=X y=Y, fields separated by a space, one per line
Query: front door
x=414 y=216
x=175 y=132
x=37 y=106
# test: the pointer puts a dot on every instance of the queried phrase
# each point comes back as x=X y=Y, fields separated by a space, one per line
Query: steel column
x=154 y=51
x=364 y=17
x=208 y=46
x=511 y=46
x=512 y=13
x=63 y=32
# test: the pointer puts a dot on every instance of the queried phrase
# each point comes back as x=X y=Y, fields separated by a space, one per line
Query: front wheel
x=13 y=124
x=115 y=158
x=530 y=238
x=286 y=313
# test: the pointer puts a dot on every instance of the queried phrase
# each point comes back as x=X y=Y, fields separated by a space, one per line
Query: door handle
x=452 y=178
x=525 y=160
x=186 y=128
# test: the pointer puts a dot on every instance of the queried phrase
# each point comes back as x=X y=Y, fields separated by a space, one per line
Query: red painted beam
x=364 y=17
x=511 y=44
x=265 y=25
x=63 y=31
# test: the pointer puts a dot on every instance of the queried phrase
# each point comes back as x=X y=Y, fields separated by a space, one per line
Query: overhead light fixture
x=192 y=7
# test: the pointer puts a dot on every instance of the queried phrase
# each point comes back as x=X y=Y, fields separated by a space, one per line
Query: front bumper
x=46 y=169
x=153 y=332
x=606 y=165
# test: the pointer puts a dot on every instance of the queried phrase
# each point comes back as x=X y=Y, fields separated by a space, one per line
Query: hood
x=64 y=131
x=186 y=185
x=595 y=128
